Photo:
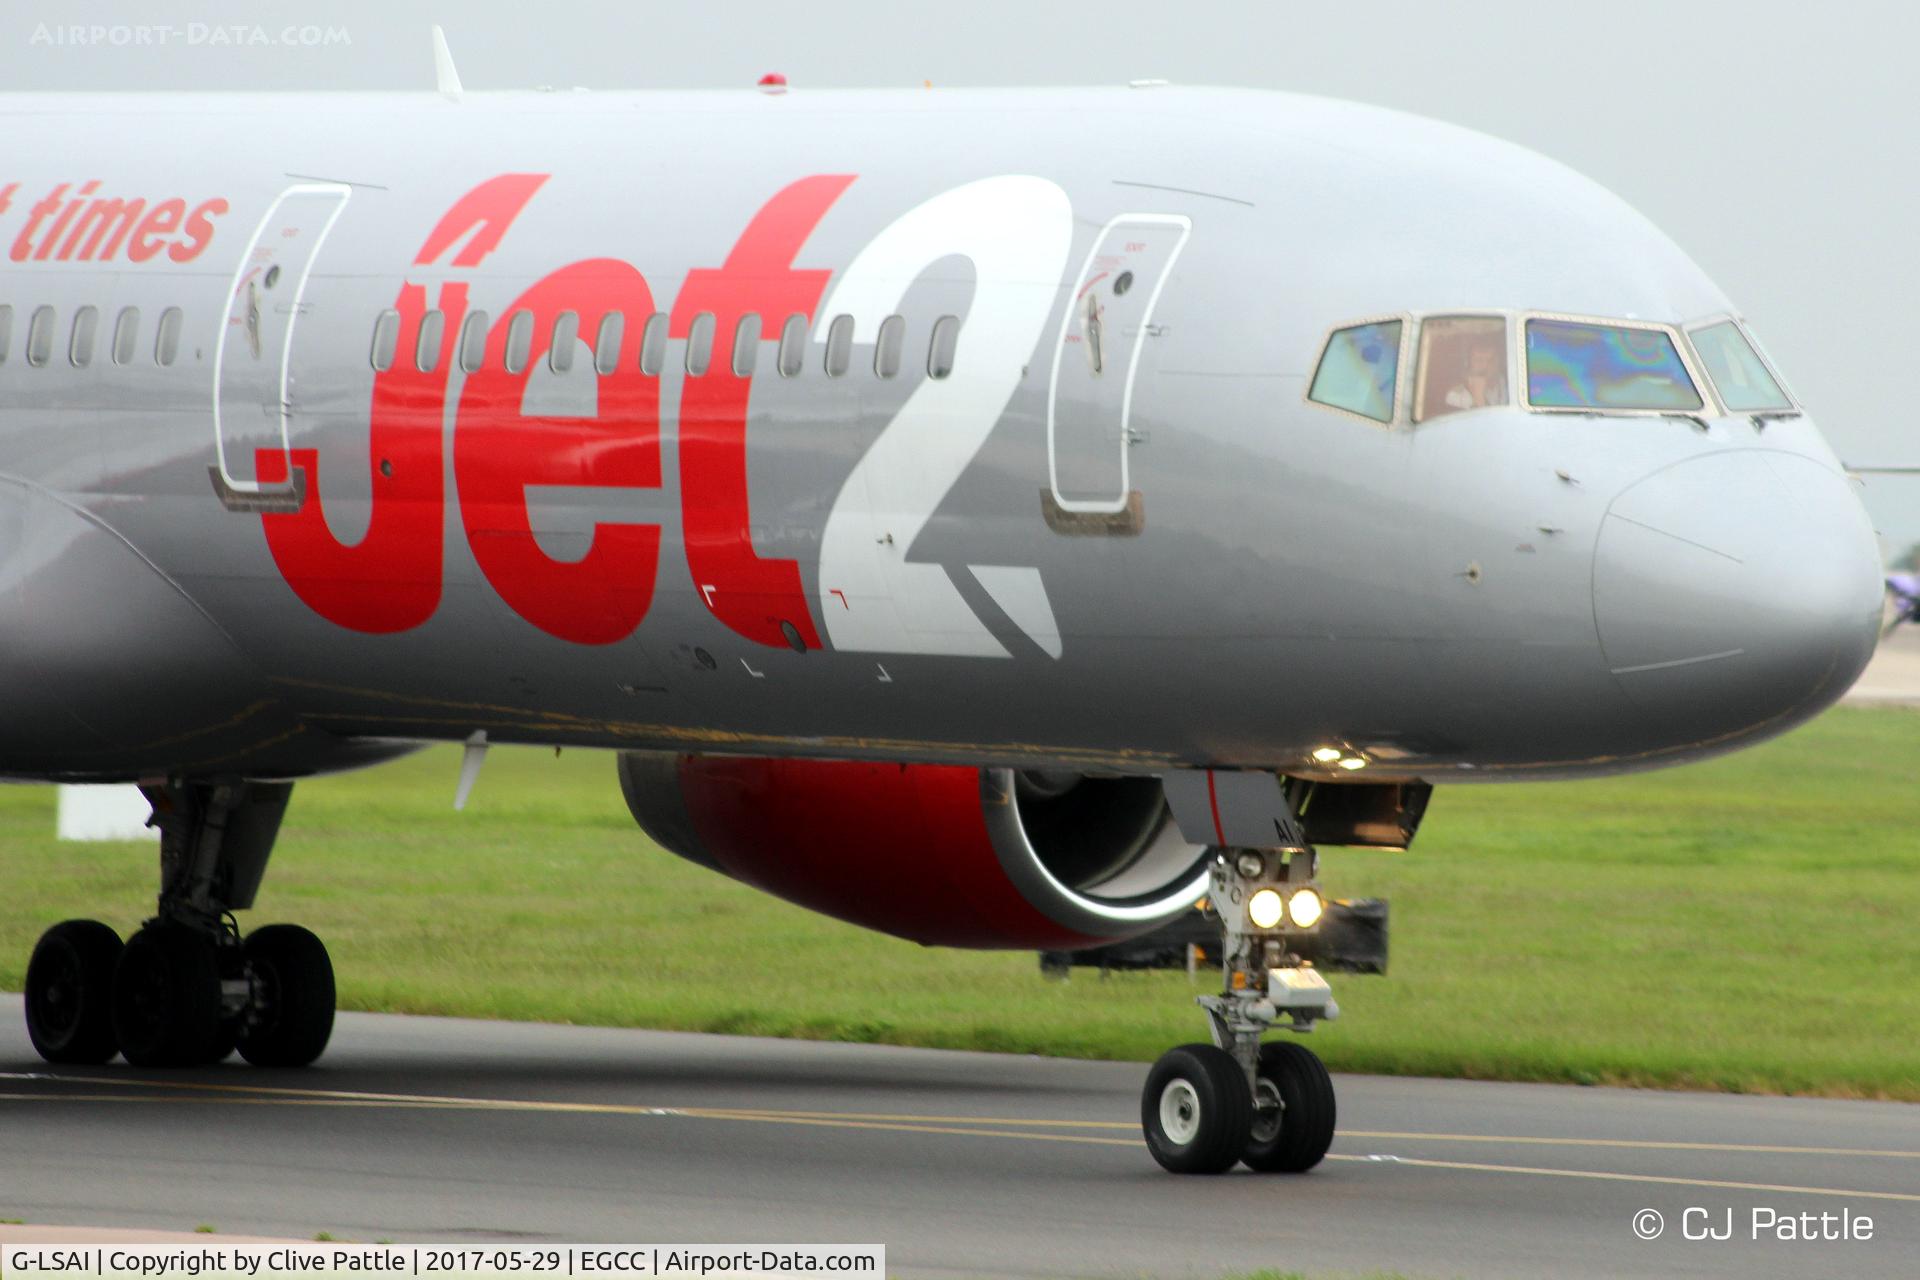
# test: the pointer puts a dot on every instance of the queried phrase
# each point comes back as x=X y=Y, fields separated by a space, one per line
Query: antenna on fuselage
x=471 y=758
x=446 y=77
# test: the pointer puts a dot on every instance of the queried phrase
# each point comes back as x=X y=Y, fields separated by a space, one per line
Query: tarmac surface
x=961 y=1164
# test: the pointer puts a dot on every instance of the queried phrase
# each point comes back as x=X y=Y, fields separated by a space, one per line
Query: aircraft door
x=254 y=351
x=1096 y=358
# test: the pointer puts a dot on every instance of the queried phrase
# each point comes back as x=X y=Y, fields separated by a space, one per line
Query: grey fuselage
x=1172 y=559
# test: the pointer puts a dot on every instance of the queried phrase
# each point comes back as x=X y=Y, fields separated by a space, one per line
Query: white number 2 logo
x=1016 y=230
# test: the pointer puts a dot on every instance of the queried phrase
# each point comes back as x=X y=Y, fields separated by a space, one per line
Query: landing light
x=1353 y=762
x=1264 y=908
x=1305 y=908
x=1327 y=755
x=1250 y=865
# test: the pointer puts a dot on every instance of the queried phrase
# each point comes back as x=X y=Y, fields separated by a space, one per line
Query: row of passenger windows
x=82 y=337
x=1570 y=365
x=82 y=340
x=470 y=351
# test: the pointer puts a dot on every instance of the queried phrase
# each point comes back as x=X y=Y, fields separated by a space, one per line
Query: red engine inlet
x=939 y=854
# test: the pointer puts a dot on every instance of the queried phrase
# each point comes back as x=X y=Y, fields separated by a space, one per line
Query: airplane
x=1904 y=589
x=998 y=518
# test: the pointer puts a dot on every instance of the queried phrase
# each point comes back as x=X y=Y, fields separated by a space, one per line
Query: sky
x=1773 y=139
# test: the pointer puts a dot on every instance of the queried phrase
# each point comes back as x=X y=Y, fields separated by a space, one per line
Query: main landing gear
x=187 y=989
x=1207 y=1107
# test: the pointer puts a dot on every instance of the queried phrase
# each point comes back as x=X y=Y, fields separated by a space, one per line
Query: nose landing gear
x=1207 y=1107
x=186 y=989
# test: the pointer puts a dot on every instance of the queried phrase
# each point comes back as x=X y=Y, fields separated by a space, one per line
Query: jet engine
x=939 y=854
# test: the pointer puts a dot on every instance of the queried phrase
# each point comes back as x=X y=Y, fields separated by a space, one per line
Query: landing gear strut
x=186 y=989
x=1207 y=1107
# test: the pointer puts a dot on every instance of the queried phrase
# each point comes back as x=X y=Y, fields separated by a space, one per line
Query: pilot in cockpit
x=1481 y=381
x=1463 y=365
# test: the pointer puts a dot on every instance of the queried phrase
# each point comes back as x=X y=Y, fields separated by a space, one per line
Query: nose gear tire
x=1196 y=1110
x=1294 y=1077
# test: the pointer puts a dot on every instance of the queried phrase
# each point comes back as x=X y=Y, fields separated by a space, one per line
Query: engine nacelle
x=940 y=854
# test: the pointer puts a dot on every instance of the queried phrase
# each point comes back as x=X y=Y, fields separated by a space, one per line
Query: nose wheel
x=1196 y=1110
x=1269 y=1106
x=1200 y=1117
x=1293 y=1112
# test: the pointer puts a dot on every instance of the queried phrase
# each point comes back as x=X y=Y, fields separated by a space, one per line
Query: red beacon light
x=773 y=82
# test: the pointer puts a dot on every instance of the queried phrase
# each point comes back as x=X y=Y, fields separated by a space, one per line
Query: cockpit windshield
x=1738 y=373
x=1577 y=365
x=1359 y=370
x=1463 y=365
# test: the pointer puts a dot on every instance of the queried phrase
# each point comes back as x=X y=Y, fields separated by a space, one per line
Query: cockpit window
x=1572 y=365
x=1359 y=370
x=1463 y=365
x=1738 y=373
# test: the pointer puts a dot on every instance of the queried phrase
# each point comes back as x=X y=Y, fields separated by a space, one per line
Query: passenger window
x=86 y=324
x=793 y=345
x=1360 y=370
x=566 y=332
x=946 y=338
x=886 y=348
x=839 y=346
x=746 y=346
x=1463 y=365
x=6 y=331
x=1738 y=373
x=426 y=347
x=126 y=335
x=653 y=345
x=1572 y=365
x=473 y=341
x=700 y=344
x=40 y=337
x=386 y=337
x=606 y=343
x=519 y=341
x=166 y=338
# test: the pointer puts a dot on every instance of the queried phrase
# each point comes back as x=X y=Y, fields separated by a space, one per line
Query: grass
x=1746 y=925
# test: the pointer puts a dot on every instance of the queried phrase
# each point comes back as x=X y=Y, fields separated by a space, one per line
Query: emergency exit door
x=252 y=354
x=1108 y=321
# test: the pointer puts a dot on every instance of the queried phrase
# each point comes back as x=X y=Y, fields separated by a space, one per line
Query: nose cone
x=1736 y=594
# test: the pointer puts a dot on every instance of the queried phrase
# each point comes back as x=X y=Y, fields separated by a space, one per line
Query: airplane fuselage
x=1101 y=527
